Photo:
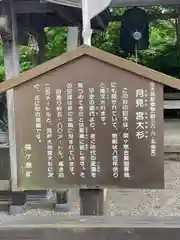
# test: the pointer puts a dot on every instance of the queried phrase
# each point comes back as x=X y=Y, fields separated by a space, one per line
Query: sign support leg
x=12 y=69
x=91 y=202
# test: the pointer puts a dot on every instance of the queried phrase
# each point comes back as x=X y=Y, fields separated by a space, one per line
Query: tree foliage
x=162 y=54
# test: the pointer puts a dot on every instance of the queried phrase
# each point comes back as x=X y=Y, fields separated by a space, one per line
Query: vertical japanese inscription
x=146 y=118
x=125 y=122
x=103 y=99
x=141 y=114
x=60 y=133
x=37 y=112
x=115 y=149
x=49 y=136
x=71 y=155
x=92 y=125
x=28 y=160
x=82 y=145
x=153 y=119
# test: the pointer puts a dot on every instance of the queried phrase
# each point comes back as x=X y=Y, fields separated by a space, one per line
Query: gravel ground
x=130 y=202
x=141 y=202
x=133 y=202
x=148 y=202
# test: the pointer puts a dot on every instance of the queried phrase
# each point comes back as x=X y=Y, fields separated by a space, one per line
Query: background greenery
x=162 y=54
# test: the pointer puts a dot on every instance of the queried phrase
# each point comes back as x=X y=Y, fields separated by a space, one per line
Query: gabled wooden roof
x=95 y=53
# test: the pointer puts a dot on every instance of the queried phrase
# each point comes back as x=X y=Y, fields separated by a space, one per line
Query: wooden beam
x=29 y=21
x=31 y=6
x=172 y=96
x=48 y=20
x=172 y=104
x=100 y=22
x=64 y=12
x=69 y=3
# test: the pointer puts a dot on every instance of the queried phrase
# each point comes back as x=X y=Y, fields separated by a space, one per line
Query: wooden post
x=11 y=63
x=41 y=38
x=80 y=38
x=12 y=69
x=177 y=25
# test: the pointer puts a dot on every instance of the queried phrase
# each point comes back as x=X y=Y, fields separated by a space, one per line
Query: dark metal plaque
x=89 y=123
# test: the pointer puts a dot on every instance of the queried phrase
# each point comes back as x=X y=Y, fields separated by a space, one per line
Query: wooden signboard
x=89 y=118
